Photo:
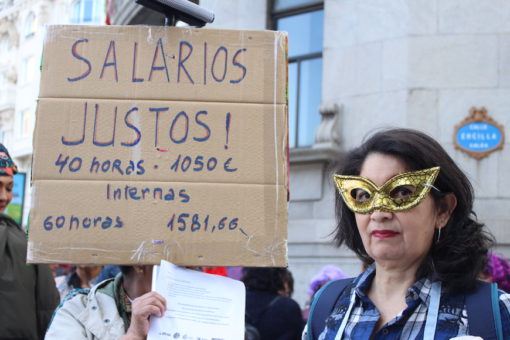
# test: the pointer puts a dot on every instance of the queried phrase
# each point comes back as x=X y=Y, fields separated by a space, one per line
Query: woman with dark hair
x=405 y=208
x=117 y=308
x=276 y=317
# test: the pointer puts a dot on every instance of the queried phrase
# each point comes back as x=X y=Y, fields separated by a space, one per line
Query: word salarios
x=183 y=64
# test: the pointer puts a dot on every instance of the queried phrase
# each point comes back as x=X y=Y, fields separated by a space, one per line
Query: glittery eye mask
x=399 y=193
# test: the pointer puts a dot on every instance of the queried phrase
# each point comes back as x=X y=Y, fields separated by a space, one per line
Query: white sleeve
x=65 y=323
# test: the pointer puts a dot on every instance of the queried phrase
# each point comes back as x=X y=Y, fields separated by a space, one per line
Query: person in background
x=326 y=274
x=60 y=269
x=28 y=295
x=115 y=309
x=221 y=271
x=288 y=283
x=83 y=276
x=276 y=317
x=108 y=272
x=498 y=271
x=235 y=273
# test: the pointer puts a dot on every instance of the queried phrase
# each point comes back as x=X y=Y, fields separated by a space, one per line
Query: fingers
x=142 y=307
x=147 y=304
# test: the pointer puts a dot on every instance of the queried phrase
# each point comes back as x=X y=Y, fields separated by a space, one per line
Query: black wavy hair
x=461 y=253
x=264 y=279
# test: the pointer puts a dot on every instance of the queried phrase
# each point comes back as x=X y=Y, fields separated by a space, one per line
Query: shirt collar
x=420 y=290
x=363 y=281
x=124 y=301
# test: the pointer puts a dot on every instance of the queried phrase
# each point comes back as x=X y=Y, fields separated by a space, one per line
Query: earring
x=438 y=235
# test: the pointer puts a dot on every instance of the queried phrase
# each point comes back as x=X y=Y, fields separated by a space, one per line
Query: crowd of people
x=403 y=207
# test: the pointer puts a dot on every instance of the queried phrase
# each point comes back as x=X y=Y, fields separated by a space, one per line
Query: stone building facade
x=22 y=27
x=420 y=64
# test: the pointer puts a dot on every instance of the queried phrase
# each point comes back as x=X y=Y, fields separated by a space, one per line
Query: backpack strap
x=496 y=311
x=322 y=305
x=483 y=305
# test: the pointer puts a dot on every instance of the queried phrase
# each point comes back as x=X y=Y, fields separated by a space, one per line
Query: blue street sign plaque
x=479 y=135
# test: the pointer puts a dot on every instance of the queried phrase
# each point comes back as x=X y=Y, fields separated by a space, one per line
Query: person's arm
x=296 y=320
x=65 y=324
x=47 y=297
x=292 y=319
x=143 y=307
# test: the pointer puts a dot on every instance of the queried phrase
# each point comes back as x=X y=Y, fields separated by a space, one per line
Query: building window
x=88 y=12
x=25 y=123
x=28 y=70
x=30 y=26
x=3 y=81
x=4 y=95
x=4 y=44
x=5 y=4
x=303 y=20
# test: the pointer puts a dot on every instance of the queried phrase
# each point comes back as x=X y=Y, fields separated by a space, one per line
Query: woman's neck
x=388 y=291
x=394 y=279
x=396 y=276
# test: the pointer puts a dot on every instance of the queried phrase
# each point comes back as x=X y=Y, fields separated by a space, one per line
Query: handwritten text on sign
x=173 y=138
x=165 y=64
x=103 y=131
x=220 y=65
x=178 y=132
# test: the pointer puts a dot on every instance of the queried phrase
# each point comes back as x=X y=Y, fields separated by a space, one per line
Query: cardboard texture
x=131 y=166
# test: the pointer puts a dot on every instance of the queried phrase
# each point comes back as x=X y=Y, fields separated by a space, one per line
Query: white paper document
x=199 y=306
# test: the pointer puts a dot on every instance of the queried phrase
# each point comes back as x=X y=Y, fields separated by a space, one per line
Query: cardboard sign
x=160 y=143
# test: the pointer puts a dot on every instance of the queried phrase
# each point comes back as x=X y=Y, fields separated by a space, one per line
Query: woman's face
x=6 y=184
x=401 y=238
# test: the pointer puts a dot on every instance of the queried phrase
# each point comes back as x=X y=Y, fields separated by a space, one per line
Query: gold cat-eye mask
x=399 y=193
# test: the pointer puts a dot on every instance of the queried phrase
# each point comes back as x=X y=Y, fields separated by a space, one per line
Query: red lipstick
x=384 y=233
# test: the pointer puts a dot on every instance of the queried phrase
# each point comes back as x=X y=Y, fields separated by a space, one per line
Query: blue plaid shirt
x=410 y=323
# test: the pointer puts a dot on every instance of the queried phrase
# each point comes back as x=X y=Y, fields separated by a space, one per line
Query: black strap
x=323 y=304
x=479 y=311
